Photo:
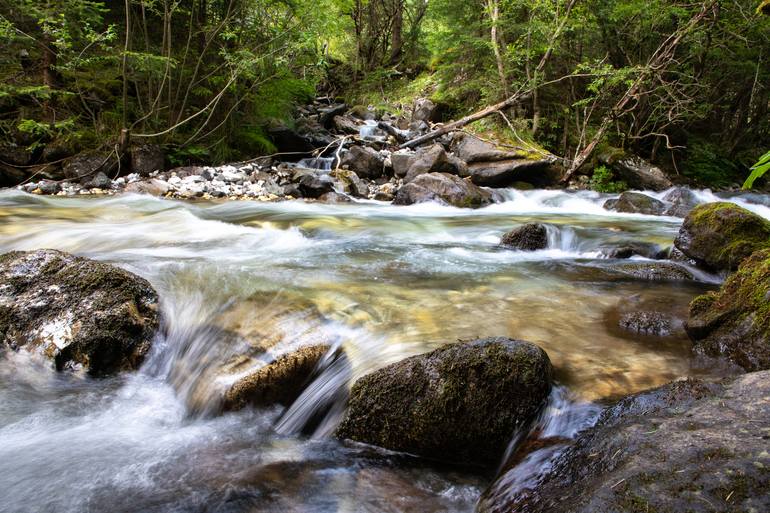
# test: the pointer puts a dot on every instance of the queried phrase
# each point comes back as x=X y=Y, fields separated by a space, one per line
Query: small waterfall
x=320 y=163
x=563 y=238
x=369 y=131
x=557 y=426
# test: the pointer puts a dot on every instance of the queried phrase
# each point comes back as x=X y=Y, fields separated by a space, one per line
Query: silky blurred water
x=379 y=281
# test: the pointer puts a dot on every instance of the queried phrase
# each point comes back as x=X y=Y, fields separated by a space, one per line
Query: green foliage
x=602 y=181
x=758 y=170
x=707 y=164
x=187 y=156
x=277 y=98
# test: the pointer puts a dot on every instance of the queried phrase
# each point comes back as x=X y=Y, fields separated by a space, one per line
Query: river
x=381 y=282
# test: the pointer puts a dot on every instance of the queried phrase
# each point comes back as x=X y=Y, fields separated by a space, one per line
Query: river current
x=380 y=282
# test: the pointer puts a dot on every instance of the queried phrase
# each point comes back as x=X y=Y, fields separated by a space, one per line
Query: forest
x=384 y=256
x=682 y=84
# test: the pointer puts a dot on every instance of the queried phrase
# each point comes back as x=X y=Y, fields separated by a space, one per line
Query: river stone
x=655 y=271
x=460 y=403
x=503 y=173
x=433 y=159
x=629 y=248
x=364 y=161
x=735 y=321
x=636 y=203
x=76 y=311
x=718 y=236
x=314 y=184
x=688 y=446
x=529 y=237
x=471 y=149
x=279 y=382
x=647 y=323
x=681 y=202
x=98 y=181
x=445 y=189
x=424 y=110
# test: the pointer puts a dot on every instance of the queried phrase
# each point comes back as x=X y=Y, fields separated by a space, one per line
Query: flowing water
x=378 y=281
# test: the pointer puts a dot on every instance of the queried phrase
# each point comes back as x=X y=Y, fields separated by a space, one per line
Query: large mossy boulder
x=688 y=446
x=460 y=403
x=735 y=321
x=80 y=313
x=445 y=189
x=528 y=237
x=719 y=236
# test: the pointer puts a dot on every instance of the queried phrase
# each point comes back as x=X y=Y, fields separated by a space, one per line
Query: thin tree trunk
x=493 y=9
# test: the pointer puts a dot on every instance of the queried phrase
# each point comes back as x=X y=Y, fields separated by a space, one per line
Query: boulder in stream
x=364 y=161
x=529 y=237
x=460 y=403
x=636 y=203
x=687 y=446
x=433 y=159
x=654 y=271
x=76 y=311
x=445 y=189
x=719 y=236
x=735 y=321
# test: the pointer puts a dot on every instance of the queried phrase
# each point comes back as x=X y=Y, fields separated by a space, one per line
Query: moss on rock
x=720 y=235
x=460 y=403
x=735 y=322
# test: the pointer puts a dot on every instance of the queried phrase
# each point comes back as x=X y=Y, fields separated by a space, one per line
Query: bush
x=602 y=181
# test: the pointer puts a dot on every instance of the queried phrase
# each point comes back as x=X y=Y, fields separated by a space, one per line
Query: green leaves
x=758 y=170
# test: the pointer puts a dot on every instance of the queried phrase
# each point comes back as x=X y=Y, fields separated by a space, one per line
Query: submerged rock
x=629 y=248
x=461 y=403
x=686 y=446
x=636 y=203
x=718 y=236
x=647 y=323
x=278 y=382
x=443 y=188
x=735 y=321
x=654 y=271
x=529 y=237
x=78 y=312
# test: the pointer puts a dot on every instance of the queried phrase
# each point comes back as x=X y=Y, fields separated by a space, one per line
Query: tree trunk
x=397 y=42
x=493 y=9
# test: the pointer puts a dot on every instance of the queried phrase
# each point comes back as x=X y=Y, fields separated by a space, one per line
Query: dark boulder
x=76 y=311
x=289 y=140
x=629 y=248
x=84 y=167
x=98 y=181
x=461 y=403
x=687 y=446
x=401 y=163
x=718 y=236
x=147 y=158
x=345 y=125
x=314 y=185
x=503 y=173
x=445 y=189
x=328 y=115
x=529 y=237
x=364 y=161
x=433 y=159
x=424 y=110
x=654 y=271
x=636 y=203
x=735 y=321
x=279 y=382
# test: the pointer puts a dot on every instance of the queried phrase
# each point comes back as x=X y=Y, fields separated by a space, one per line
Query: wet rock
x=76 y=311
x=529 y=237
x=364 y=161
x=288 y=140
x=363 y=113
x=278 y=382
x=471 y=149
x=386 y=192
x=681 y=202
x=686 y=446
x=655 y=271
x=718 y=236
x=334 y=197
x=49 y=186
x=147 y=158
x=503 y=173
x=313 y=184
x=424 y=110
x=433 y=159
x=98 y=181
x=735 y=321
x=328 y=116
x=460 y=403
x=352 y=183
x=636 y=203
x=445 y=189
x=152 y=187
x=629 y=248
x=636 y=172
x=647 y=323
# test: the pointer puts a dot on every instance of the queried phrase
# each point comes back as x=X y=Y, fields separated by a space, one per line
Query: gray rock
x=99 y=181
x=345 y=125
x=503 y=173
x=636 y=172
x=629 y=248
x=687 y=446
x=315 y=185
x=401 y=163
x=461 y=403
x=433 y=159
x=443 y=188
x=636 y=203
x=655 y=271
x=364 y=161
x=681 y=200
x=424 y=110
x=76 y=311
x=647 y=323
